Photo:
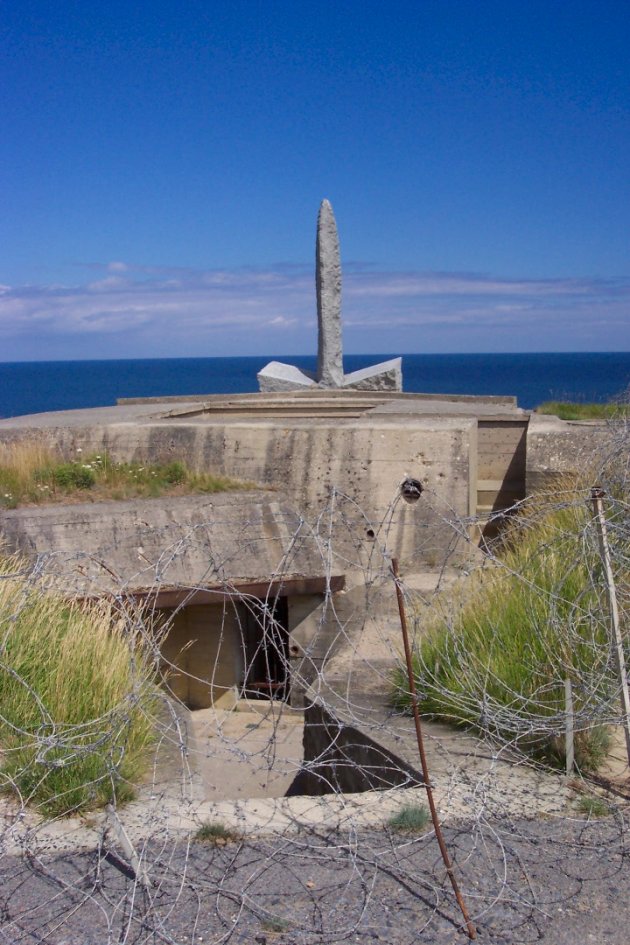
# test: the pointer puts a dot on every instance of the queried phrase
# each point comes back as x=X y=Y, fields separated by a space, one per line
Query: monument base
x=277 y=377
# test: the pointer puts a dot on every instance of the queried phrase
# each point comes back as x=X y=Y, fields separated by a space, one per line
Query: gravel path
x=555 y=881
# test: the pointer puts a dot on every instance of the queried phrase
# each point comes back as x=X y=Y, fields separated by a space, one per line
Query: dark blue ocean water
x=36 y=386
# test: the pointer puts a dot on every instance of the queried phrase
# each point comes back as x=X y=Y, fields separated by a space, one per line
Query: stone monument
x=277 y=376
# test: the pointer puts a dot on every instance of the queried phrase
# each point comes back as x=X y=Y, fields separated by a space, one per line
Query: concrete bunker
x=474 y=456
x=209 y=577
x=238 y=623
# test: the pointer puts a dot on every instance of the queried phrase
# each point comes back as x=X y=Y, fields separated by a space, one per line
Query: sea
x=28 y=387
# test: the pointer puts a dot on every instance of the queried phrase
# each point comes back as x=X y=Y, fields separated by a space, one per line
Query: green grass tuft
x=216 y=833
x=77 y=697
x=275 y=923
x=412 y=818
x=593 y=806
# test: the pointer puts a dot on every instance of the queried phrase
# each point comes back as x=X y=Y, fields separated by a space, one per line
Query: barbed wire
x=267 y=799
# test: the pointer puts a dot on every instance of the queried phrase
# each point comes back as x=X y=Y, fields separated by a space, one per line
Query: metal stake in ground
x=423 y=758
x=617 y=644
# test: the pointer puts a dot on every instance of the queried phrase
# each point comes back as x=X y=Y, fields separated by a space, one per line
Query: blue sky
x=162 y=166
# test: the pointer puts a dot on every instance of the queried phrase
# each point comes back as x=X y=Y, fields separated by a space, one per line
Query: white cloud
x=175 y=310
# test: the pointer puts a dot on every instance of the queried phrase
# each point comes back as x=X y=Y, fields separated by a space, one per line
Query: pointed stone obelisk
x=276 y=376
x=328 y=288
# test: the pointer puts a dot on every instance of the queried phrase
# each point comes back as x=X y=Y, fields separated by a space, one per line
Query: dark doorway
x=266 y=650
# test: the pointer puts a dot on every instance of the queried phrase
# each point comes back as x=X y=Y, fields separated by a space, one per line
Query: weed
x=412 y=818
x=217 y=834
x=174 y=473
x=70 y=476
x=274 y=923
x=593 y=806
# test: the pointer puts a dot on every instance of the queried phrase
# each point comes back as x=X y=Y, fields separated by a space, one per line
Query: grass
x=496 y=660
x=593 y=806
x=274 y=923
x=77 y=696
x=217 y=834
x=32 y=474
x=412 y=818
x=567 y=410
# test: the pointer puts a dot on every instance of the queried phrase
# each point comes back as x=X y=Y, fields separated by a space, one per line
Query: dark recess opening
x=266 y=650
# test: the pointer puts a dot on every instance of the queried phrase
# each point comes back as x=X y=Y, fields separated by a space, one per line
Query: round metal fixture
x=411 y=490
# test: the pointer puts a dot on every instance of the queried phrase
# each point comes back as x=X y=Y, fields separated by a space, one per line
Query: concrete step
x=493 y=495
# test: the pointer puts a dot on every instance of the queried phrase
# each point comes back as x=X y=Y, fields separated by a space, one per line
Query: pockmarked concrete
x=308 y=449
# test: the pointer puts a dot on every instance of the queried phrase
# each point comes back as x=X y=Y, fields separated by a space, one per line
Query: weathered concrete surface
x=192 y=541
x=361 y=460
x=556 y=448
x=185 y=786
x=355 y=443
x=308 y=400
x=253 y=750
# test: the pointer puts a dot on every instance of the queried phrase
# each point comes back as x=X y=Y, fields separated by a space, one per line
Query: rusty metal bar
x=423 y=758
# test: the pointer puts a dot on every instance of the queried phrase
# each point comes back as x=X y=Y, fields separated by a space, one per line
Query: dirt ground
x=554 y=881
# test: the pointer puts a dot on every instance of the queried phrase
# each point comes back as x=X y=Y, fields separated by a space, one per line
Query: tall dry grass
x=497 y=659
x=21 y=464
x=76 y=697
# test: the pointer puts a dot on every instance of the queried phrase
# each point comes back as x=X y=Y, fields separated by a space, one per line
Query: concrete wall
x=202 y=653
x=556 y=448
x=501 y=462
x=364 y=460
x=188 y=541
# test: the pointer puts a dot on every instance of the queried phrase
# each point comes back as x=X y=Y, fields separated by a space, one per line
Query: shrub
x=174 y=473
x=593 y=806
x=73 y=476
x=568 y=410
x=77 y=696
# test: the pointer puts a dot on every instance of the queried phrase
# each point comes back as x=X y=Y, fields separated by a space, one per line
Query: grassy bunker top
x=32 y=475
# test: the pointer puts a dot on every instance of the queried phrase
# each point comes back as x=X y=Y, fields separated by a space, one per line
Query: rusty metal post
x=616 y=640
x=423 y=758
x=569 y=743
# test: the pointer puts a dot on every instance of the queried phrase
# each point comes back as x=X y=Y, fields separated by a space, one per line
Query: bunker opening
x=246 y=642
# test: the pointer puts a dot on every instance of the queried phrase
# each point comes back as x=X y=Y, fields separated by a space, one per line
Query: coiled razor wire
x=188 y=862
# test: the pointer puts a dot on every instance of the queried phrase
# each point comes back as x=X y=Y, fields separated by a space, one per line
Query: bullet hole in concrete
x=371 y=534
x=294 y=650
x=411 y=489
